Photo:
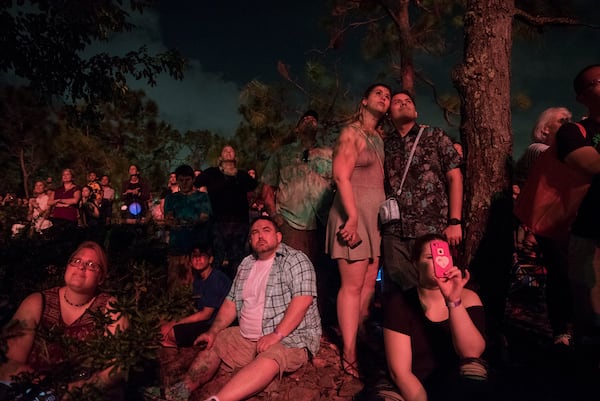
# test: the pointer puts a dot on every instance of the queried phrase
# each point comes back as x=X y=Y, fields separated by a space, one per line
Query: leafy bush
x=137 y=278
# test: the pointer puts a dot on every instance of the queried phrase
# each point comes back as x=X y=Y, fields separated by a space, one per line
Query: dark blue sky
x=230 y=43
x=243 y=40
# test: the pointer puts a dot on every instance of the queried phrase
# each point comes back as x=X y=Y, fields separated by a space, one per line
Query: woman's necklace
x=74 y=304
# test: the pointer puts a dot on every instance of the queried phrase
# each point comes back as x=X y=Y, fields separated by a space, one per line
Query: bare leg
x=368 y=289
x=251 y=379
x=349 y=304
x=202 y=369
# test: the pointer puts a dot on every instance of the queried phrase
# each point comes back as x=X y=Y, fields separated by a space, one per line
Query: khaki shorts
x=236 y=351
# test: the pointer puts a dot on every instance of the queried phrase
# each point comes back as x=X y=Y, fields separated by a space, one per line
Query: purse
x=551 y=196
x=389 y=210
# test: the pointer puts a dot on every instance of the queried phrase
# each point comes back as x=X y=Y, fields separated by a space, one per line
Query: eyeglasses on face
x=89 y=265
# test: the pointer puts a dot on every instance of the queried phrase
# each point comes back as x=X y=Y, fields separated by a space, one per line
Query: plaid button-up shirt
x=292 y=274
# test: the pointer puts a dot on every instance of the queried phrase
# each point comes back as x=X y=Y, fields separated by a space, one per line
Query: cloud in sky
x=231 y=43
x=202 y=100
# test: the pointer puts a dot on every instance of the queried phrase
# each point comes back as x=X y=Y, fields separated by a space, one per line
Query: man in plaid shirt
x=273 y=297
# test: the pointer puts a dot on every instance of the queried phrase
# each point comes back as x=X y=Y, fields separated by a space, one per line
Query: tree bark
x=483 y=82
x=407 y=68
x=24 y=172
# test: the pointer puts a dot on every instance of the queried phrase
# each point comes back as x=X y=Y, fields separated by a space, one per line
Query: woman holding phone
x=433 y=333
x=353 y=237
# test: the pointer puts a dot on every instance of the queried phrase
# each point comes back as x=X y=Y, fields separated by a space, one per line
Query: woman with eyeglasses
x=51 y=328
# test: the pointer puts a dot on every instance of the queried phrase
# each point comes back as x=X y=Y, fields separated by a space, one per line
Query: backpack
x=549 y=200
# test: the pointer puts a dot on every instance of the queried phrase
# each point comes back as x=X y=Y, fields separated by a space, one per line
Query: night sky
x=230 y=43
x=243 y=40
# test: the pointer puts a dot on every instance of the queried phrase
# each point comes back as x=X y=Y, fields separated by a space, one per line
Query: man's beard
x=307 y=129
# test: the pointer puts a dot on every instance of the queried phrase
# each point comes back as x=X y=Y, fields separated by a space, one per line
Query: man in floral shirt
x=431 y=197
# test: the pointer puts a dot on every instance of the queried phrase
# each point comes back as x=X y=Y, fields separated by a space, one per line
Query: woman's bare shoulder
x=30 y=308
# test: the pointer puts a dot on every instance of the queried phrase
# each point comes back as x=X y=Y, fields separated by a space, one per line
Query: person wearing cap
x=300 y=174
x=273 y=299
x=210 y=287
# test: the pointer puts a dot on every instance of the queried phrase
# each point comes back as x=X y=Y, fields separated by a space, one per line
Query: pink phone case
x=442 y=259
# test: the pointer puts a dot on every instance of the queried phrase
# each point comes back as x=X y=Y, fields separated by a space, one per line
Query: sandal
x=350 y=368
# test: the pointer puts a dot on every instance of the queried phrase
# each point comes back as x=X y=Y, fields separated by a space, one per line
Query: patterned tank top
x=53 y=344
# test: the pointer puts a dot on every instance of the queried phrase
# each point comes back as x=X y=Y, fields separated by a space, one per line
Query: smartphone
x=357 y=241
x=442 y=259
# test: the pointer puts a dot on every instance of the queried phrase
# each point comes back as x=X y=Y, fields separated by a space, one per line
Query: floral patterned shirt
x=304 y=184
x=424 y=198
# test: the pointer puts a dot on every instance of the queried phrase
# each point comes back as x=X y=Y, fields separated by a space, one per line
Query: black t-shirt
x=569 y=139
x=431 y=342
x=228 y=194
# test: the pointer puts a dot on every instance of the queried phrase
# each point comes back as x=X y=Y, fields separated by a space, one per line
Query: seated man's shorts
x=236 y=351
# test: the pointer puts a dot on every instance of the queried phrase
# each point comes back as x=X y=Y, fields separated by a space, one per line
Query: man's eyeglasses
x=89 y=265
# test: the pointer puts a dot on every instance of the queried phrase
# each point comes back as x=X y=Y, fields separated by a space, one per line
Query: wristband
x=278 y=334
x=453 y=304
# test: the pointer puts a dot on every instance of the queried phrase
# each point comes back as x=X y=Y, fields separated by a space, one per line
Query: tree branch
x=336 y=38
x=539 y=21
x=448 y=113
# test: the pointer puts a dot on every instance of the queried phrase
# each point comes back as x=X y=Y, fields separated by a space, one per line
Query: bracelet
x=278 y=334
x=453 y=304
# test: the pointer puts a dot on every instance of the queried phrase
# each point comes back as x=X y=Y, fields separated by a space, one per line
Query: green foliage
x=38 y=142
x=199 y=143
x=271 y=110
x=131 y=132
x=137 y=278
x=25 y=129
x=521 y=101
x=45 y=42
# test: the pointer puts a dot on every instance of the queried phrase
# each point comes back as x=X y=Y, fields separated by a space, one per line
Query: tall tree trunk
x=483 y=81
x=24 y=172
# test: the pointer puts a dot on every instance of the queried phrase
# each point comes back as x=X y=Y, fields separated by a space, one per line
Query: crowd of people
x=384 y=197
